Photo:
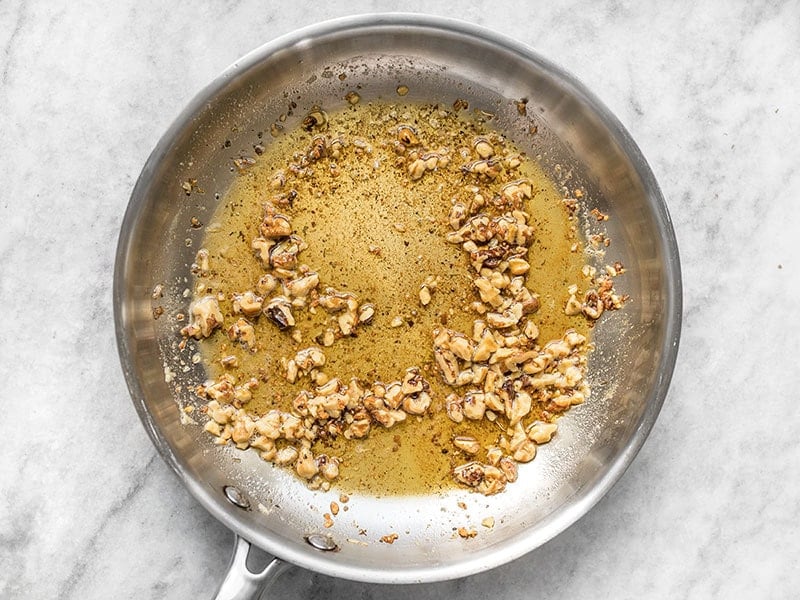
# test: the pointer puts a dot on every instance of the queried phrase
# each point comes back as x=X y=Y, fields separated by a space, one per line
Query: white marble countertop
x=710 y=91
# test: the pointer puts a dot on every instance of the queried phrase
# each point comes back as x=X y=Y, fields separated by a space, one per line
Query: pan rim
x=511 y=549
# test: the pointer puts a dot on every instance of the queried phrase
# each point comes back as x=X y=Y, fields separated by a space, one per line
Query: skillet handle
x=241 y=583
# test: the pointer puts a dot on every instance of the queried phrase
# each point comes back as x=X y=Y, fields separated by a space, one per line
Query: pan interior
x=439 y=61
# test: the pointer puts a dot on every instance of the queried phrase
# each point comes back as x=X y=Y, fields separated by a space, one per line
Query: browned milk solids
x=376 y=222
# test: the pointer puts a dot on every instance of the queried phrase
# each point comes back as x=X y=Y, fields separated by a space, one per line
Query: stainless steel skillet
x=440 y=61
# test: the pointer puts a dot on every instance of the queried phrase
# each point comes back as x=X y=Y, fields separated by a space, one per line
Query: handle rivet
x=235 y=496
x=321 y=541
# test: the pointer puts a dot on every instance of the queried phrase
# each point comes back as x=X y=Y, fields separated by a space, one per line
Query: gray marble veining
x=710 y=91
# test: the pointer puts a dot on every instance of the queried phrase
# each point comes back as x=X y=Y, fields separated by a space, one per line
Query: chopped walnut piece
x=275 y=226
x=467 y=533
x=541 y=433
x=247 y=304
x=389 y=539
x=467 y=444
x=243 y=332
x=206 y=317
x=279 y=311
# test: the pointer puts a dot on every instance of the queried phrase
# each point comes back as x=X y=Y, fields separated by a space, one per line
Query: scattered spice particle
x=522 y=107
x=462 y=505
x=334 y=508
x=389 y=539
x=328 y=521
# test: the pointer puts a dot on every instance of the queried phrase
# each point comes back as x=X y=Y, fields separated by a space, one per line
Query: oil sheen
x=374 y=232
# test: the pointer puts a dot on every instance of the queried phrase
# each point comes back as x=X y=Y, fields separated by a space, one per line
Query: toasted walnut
x=318 y=149
x=474 y=406
x=467 y=444
x=592 y=305
x=358 y=429
x=525 y=452
x=517 y=407
x=458 y=214
x=329 y=468
x=493 y=482
x=206 y=317
x=278 y=180
x=242 y=430
x=279 y=311
x=518 y=266
x=541 y=433
x=508 y=318
x=283 y=255
x=467 y=533
x=470 y=474
x=221 y=390
x=485 y=348
x=286 y=456
x=493 y=455
x=487 y=169
x=275 y=226
x=347 y=322
x=302 y=286
x=393 y=395
x=247 y=304
x=416 y=169
x=334 y=301
x=266 y=284
x=243 y=332
x=454 y=405
x=483 y=147
x=407 y=135
x=309 y=358
x=413 y=382
x=488 y=292
x=388 y=418
x=509 y=468
x=366 y=312
x=417 y=404
x=201 y=265
x=261 y=249
x=424 y=295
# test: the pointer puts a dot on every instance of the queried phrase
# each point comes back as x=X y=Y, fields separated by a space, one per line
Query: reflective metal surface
x=440 y=61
